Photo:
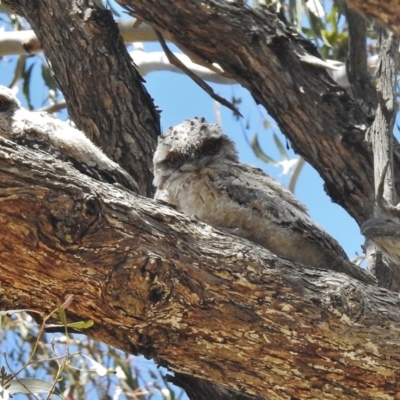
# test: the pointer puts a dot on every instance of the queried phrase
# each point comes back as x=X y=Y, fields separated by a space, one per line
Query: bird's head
x=8 y=101
x=9 y=104
x=190 y=146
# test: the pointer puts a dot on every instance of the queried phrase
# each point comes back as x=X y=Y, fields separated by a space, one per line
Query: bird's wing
x=270 y=201
x=245 y=184
x=249 y=185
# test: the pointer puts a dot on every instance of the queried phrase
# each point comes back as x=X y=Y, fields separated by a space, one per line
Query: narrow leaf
x=31 y=385
x=62 y=315
x=81 y=324
x=296 y=172
x=255 y=145
x=281 y=147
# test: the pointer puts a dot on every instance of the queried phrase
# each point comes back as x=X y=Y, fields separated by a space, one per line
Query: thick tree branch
x=120 y=117
x=381 y=139
x=200 y=302
x=196 y=300
x=385 y=12
x=323 y=123
x=26 y=42
x=357 y=63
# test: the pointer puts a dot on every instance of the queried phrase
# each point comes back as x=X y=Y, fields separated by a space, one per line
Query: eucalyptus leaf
x=32 y=385
x=255 y=145
x=281 y=147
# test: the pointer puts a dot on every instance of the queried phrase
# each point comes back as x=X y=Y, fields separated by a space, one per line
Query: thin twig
x=207 y=88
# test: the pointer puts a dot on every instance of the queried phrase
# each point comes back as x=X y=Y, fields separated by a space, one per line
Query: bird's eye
x=4 y=103
x=173 y=159
x=211 y=146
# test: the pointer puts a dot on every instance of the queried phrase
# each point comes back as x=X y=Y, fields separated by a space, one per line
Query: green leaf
x=81 y=324
x=62 y=315
x=325 y=34
x=31 y=385
x=281 y=147
x=295 y=175
x=259 y=153
x=75 y=325
x=25 y=86
x=48 y=77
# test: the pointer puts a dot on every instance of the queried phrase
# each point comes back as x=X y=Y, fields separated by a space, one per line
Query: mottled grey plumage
x=40 y=131
x=196 y=168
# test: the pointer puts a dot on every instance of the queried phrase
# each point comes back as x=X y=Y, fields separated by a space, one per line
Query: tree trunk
x=104 y=93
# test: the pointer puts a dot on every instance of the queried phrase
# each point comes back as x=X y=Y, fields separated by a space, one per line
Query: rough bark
x=202 y=303
x=320 y=119
x=380 y=136
x=385 y=12
x=120 y=117
x=359 y=77
x=198 y=301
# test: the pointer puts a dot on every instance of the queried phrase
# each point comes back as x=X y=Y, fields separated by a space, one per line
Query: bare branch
x=26 y=42
x=207 y=88
x=53 y=108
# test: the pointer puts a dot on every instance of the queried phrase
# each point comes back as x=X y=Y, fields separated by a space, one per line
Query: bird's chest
x=197 y=194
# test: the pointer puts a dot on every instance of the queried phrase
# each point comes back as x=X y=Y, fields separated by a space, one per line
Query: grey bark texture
x=196 y=300
x=380 y=136
x=205 y=304
x=104 y=93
